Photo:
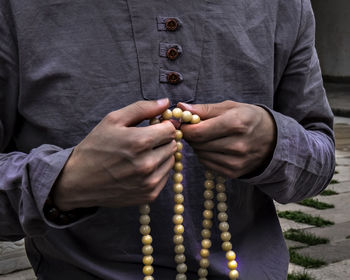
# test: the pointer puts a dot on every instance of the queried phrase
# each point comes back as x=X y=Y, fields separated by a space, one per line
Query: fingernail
x=187 y=106
x=162 y=101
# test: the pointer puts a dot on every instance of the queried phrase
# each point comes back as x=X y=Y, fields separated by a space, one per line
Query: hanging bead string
x=209 y=186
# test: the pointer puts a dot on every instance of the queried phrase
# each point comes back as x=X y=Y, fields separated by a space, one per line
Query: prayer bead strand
x=209 y=186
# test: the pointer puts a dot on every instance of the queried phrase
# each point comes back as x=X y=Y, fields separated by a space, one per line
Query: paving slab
x=288 y=224
x=329 y=253
x=293 y=268
x=13 y=257
x=344 y=173
x=339 y=188
x=334 y=271
x=295 y=244
x=335 y=233
x=339 y=214
x=20 y=275
x=342 y=154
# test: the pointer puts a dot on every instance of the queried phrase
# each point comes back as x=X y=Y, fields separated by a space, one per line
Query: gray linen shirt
x=65 y=64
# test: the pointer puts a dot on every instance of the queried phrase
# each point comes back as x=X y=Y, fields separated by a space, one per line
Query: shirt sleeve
x=25 y=178
x=303 y=161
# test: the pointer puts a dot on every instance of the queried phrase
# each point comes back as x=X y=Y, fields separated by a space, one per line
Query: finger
x=225 y=145
x=207 y=111
x=220 y=169
x=155 y=135
x=137 y=112
x=236 y=164
x=208 y=130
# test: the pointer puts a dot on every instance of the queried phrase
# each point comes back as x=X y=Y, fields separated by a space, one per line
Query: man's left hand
x=233 y=139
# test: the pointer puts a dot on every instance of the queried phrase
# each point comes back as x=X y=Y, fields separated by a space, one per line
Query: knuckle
x=112 y=117
x=241 y=148
x=141 y=144
x=145 y=167
x=151 y=183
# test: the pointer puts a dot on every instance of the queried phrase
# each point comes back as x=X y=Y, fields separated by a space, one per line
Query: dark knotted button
x=173 y=78
x=172 y=53
x=171 y=24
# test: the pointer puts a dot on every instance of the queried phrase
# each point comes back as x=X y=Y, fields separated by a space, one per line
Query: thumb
x=208 y=111
x=139 y=111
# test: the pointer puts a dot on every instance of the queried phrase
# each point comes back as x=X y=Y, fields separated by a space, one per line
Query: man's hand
x=234 y=139
x=119 y=164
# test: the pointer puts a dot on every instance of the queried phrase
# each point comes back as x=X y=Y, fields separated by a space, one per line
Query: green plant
x=304 y=237
x=299 y=276
x=304 y=218
x=304 y=261
x=314 y=203
x=328 y=192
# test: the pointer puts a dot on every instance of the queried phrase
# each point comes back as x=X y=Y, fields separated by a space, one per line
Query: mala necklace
x=210 y=183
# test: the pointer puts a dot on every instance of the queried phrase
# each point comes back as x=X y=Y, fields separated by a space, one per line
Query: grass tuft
x=334 y=181
x=314 y=203
x=348 y=237
x=299 y=276
x=304 y=237
x=304 y=218
x=304 y=261
x=328 y=192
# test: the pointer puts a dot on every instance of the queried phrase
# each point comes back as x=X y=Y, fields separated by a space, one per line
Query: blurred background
x=317 y=230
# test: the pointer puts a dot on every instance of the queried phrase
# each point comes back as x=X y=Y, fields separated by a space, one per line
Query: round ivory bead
x=186 y=116
x=224 y=226
x=145 y=209
x=179 y=146
x=222 y=217
x=230 y=256
x=167 y=114
x=208 y=194
x=148 y=278
x=207 y=224
x=180 y=258
x=206 y=233
x=177 y=113
x=206 y=243
x=202 y=272
x=148 y=270
x=181 y=268
x=222 y=206
x=178 y=135
x=178 y=239
x=195 y=119
x=233 y=274
x=147 y=250
x=220 y=179
x=179 y=208
x=178 y=156
x=147 y=239
x=181 y=277
x=179 y=249
x=208 y=204
x=147 y=260
x=178 y=198
x=145 y=219
x=178 y=219
x=209 y=175
x=154 y=121
x=209 y=184
x=232 y=265
x=221 y=197
x=204 y=263
x=226 y=246
x=145 y=229
x=178 y=188
x=220 y=187
x=208 y=214
x=179 y=229
x=204 y=253
x=225 y=236
x=178 y=166
x=177 y=177
x=202 y=278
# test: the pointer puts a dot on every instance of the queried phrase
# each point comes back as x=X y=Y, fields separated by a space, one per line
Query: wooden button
x=171 y=24
x=173 y=78
x=172 y=53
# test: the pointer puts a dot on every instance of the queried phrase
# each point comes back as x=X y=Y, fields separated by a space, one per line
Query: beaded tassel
x=209 y=185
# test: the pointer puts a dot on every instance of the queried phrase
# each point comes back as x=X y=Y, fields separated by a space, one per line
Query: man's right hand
x=119 y=164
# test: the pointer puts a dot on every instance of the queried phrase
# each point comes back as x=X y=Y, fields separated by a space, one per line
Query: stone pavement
x=337 y=252
x=15 y=266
